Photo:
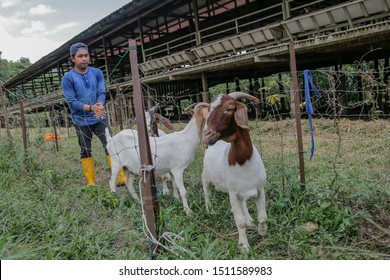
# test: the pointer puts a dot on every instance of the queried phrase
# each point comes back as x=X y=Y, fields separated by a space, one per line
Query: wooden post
x=66 y=122
x=119 y=100
x=106 y=64
x=53 y=121
x=23 y=123
x=297 y=113
x=131 y=107
x=112 y=110
x=152 y=206
x=5 y=116
x=205 y=88
x=118 y=109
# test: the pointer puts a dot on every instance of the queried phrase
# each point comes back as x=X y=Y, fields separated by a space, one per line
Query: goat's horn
x=190 y=107
x=201 y=104
x=154 y=108
x=196 y=105
x=239 y=94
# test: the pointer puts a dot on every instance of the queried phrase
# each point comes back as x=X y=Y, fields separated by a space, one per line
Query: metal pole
x=152 y=205
x=297 y=113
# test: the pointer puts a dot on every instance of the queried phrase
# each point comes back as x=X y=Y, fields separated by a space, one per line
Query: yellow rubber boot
x=122 y=177
x=89 y=171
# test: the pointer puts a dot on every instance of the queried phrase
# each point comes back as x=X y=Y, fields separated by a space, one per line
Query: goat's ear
x=241 y=115
x=205 y=112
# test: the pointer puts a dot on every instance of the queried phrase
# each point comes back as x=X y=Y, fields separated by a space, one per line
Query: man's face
x=81 y=59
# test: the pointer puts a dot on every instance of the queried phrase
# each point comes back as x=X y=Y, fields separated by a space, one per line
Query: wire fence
x=337 y=105
x=345 y=128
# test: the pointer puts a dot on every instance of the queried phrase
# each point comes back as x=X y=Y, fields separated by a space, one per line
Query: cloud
x=10 y=24
x=8 y=3
x=31 y=39
x=65 y=26
x=35 y=27
x=42 y=10
x=25 y=46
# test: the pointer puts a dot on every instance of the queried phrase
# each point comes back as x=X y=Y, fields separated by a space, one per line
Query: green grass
x=48 y=213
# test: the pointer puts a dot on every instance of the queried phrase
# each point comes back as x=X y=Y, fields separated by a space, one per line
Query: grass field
x=342 y=213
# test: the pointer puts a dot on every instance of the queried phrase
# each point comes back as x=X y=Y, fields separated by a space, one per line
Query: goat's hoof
x=250 y=224
x=245 y=248
x=262 y=229
x=188 y=211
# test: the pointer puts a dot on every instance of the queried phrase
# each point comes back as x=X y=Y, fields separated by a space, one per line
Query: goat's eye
x=228 y=110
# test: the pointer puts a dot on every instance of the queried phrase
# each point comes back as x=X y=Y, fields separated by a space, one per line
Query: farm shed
x=187 y=46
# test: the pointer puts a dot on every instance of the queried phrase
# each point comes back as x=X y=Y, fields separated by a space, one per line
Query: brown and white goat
x=234 y=165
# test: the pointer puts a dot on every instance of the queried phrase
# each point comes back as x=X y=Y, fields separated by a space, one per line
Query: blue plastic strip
x=308 y=78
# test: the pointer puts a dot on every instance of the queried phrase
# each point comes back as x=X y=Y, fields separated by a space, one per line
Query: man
x=85 y=91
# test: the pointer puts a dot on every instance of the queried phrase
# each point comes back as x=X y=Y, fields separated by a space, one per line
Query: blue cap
x=77 y=47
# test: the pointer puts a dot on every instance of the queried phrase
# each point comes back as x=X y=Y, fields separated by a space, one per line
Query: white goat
x=234 y=165
x=151 y=119
x=171 y=154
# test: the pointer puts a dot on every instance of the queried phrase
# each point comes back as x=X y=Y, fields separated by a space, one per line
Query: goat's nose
x=206 y=134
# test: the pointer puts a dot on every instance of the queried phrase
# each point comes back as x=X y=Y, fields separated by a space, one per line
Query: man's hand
x=98 y=110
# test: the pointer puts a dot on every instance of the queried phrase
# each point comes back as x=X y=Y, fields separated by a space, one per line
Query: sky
x=35 y=28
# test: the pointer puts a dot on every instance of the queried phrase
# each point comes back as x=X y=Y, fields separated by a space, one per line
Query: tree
x=8 y=69
x=4 y=69
x=19 y=65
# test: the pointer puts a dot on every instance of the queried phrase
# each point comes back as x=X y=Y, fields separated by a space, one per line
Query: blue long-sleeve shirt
x=80 y=89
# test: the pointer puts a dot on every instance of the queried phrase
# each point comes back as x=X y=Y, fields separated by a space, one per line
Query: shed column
x=106 y=60
x=198 y=37
x=205 y=87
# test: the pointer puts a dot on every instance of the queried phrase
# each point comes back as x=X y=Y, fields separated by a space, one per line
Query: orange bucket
x=51 y=136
